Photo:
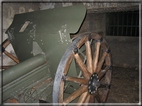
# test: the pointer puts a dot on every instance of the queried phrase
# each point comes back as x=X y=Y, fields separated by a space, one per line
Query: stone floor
x=124 y=86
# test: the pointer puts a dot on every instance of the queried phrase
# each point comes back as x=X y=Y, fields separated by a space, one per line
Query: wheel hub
x=93 y=83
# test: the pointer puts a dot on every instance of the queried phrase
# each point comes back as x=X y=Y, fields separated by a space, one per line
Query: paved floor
x=124 y=86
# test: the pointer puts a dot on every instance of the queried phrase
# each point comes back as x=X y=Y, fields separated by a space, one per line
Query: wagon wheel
x=3 y=47
x=94 y=63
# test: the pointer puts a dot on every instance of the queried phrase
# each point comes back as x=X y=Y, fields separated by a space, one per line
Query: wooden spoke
x=97 y=96
x=87 y=98
x=77 y=80
x=83 y=68
x=106 y=90
x=103 y=72
x=96 y=56
x=82 y=98
x=5 y=67
x=81 y=42
x=89 y=57
x=108 y=59
x=61 y=92
x=104 y=96
x=6 y=43
x=101 y=62
x=108 y=77
x=92 y=99
x=75 y=94
x=68 y=65
x=11 y=56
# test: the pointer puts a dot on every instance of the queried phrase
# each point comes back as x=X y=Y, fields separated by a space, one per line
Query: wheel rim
x=93 y=64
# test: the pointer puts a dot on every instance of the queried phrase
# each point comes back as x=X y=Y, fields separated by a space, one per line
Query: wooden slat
x=89 y=57
x=83 y=68
x=11 y=56
x=96 y=56
x=75 y=94
x=77 y=80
